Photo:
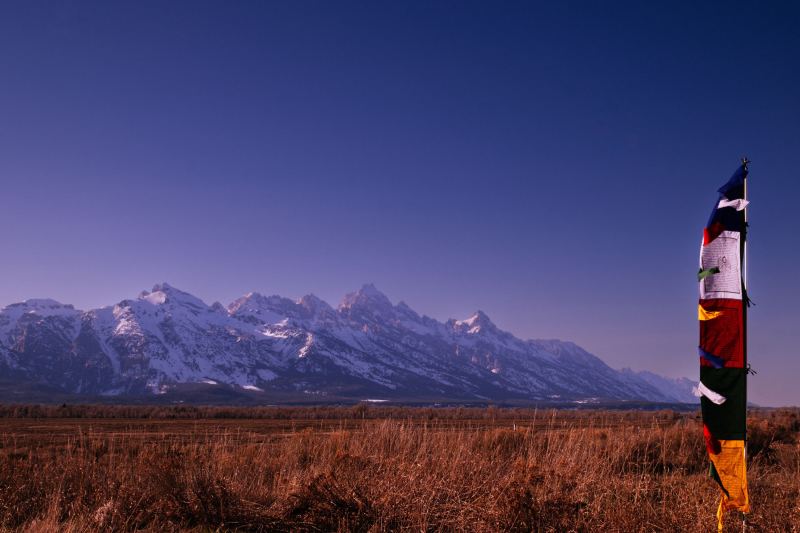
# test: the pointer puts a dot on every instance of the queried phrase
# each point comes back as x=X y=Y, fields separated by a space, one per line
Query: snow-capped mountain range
x=367 y=347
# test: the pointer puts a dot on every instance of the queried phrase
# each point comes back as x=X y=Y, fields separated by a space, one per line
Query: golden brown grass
x=399 y=469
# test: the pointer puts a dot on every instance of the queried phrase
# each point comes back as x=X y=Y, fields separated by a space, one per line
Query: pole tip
x=745 y=161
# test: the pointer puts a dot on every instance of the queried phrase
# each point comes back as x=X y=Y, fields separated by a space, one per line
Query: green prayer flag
x=702 y=274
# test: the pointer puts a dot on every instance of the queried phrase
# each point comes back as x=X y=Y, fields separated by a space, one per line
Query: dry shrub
x=337 y=500
x=675 y=449
x=766 y=436
x=501 y=443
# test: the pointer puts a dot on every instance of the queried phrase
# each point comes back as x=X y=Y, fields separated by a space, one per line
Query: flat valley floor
x=380 y=468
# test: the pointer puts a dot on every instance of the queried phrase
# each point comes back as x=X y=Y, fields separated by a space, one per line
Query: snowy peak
x=166 y=294
x=37 y=311
x=273 y=309
x=476 y=323
x=367 y=347
x=254 y=302
x=256 y=308
x=366 y=297
x=370 y=291
x=41 y=307
x=315 y=307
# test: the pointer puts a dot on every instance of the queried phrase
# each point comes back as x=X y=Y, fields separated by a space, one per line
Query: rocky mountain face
x=365 y=348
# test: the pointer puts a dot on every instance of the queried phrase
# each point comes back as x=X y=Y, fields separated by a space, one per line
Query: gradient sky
x=551 y=164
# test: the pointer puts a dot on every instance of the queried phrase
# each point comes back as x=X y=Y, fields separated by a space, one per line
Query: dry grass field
x=364 y=468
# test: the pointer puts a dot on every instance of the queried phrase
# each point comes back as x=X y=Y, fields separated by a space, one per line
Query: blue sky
x=552 y=164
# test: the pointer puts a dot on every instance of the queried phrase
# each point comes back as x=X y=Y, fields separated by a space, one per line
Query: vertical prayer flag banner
x=722 y=313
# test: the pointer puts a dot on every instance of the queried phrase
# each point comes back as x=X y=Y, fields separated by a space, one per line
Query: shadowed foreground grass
x=478 y=470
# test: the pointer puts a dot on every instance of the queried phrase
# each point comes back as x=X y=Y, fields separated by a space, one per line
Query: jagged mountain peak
x=477 y=322
x=369 y=289
x=249 y=299
x=367 y=296
x=43 y=307
x=219 y=308
x=168 y=337
x=164 y=293
x=480 y=319
x=273 y=309
x=44 y=304
x=315 y=305
x=255 y=307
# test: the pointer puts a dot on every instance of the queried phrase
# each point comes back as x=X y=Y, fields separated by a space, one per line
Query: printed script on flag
x=722 y=253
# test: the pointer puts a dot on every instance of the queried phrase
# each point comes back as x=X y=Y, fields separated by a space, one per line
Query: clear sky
x=552 y=164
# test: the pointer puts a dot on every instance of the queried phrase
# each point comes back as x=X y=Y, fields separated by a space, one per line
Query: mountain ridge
x=365 y=347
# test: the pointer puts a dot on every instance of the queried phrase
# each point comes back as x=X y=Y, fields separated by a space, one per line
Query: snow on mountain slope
x=679 y=389
x=367 y=345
